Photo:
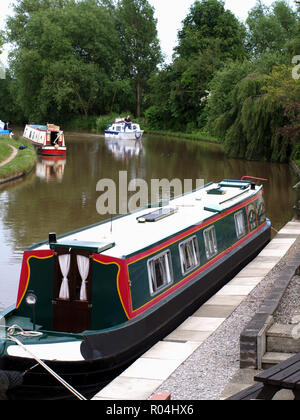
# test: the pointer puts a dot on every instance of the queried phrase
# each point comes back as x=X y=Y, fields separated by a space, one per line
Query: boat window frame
x=237 y=214
x=196 y=253
x=209 y=253
x=154 y=289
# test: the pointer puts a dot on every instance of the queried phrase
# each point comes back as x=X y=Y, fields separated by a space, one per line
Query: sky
x=169 y=15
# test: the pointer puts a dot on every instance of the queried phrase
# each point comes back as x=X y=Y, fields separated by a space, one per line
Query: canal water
x=60 y=196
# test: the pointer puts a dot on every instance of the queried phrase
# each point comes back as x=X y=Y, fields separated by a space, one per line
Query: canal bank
x=204 y=358
x=20 y=162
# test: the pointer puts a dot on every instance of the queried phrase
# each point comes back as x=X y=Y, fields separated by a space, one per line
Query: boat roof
x=127 y=235
x=43 y=127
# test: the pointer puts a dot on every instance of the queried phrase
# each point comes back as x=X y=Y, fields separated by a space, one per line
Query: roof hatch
x=156 y=215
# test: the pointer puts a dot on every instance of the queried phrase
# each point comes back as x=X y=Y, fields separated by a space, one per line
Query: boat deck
x=185 y=212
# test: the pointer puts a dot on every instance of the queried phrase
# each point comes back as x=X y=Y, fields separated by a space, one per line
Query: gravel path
x=212 y=366
x=11 y=157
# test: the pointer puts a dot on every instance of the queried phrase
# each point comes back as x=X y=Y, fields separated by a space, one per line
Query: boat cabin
x=104 y=275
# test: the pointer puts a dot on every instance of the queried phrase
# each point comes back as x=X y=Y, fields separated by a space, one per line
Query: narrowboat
x=90 y=302
x=49 y=139
x=122 y=131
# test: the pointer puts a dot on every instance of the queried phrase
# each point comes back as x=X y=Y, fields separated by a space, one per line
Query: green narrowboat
x=92 y=301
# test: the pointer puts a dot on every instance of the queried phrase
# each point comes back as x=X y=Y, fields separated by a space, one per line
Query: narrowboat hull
x=107 y=353
x=52 y=151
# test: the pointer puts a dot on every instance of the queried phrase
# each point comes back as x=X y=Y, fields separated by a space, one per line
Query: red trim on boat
x=25 y=271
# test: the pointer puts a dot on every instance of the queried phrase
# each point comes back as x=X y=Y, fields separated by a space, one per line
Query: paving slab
x=188 y=335
x=235 y=290
x=246 y=281
x=284 y=240
x=274 y=252
x=257 y=271
x=290 y=231
x=215 y=311
x=201 y=324
x=146 y=368
x=125 y=388
x=171 y=351
x=225 y=300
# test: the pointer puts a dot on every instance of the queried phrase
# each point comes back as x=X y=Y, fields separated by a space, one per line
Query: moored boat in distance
x=92 y=301
x=4 y=130
x=49 y=139
x=120 y=130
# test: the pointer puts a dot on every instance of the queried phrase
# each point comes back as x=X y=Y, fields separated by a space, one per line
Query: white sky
x=169 y=13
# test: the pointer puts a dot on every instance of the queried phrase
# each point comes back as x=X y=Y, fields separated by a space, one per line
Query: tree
x=140 y=50
x=271 y=28
x=210 y=36
x=206 y=24
x=63 y=54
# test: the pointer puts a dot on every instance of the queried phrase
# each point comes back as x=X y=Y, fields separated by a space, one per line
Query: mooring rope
x=11 y=331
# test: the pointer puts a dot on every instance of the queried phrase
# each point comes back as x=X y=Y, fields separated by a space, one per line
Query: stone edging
x=252 y=339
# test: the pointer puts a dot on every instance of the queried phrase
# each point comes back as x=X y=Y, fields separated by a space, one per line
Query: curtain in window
x=64 y=263
x=240 y=224
x=84 y=268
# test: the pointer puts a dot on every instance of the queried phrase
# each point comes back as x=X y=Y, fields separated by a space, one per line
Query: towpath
x=11 y=157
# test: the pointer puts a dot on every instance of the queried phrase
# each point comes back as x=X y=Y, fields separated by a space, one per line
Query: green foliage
x=73 y=60
x=140 y=49
x=210 y=36
x=256 y=121
x=69 y=57
x=271 y=28
x=208 y=24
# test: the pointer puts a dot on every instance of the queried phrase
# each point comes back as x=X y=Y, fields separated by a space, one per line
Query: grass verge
x=189 y=136
x=22 y=164
x=5 y=151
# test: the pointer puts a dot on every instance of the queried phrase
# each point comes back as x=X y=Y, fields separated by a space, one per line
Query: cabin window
x=189 y=255
x=160 y=272
x=118 y=128
x=210 y=242
x=240 y=225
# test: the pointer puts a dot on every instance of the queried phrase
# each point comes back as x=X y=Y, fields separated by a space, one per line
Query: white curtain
x=84 y=268
x=64 y=262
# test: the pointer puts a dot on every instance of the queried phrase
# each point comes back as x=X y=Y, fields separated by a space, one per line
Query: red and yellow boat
x=49 y=139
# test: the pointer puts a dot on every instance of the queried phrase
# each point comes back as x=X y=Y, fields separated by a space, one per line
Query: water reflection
x=35 y=207
x=124 y=149
x=50 y=168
